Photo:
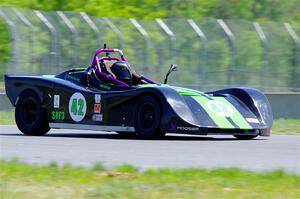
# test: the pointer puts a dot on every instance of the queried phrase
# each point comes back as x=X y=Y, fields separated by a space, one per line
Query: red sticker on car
x=97 y=108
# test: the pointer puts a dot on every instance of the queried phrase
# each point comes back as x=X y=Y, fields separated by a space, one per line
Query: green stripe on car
x=222 y=122
x=179 y=90
x=237 y=117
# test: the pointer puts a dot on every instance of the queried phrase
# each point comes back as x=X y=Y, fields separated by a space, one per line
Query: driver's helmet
x=122 y=71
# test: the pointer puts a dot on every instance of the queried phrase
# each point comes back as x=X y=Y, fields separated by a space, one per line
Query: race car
x=110 y=95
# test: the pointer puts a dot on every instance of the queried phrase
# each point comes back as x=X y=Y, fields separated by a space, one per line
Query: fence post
x=171 y=36
x=54 y=36
x=31 y=36
x=203 y=51
x=296 y=59
x=13 y=52
x=73 y=30
x=115 y=30
x=265 y=45
x=231 y=39
x=93 y=26
x=146 y=39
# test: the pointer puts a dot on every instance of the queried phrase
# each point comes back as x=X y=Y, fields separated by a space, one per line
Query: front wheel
x=30 y=116
x=147 y=118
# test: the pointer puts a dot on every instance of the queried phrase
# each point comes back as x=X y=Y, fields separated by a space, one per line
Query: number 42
x=77 y=107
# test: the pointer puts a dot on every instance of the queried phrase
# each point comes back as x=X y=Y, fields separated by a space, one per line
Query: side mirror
x=172 y=68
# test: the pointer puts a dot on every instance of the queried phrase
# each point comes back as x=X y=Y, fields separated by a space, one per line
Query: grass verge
x=2 y=85
x=7 y=117
x=286 y=127
x=280 y=126
x=19 y=180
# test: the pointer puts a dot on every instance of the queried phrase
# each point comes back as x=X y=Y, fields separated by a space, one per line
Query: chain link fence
x=210 y=53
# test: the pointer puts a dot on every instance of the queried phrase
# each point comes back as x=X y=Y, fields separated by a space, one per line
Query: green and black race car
x=110 y=95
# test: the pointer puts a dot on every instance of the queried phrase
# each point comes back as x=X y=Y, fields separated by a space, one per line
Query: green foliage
x=4 y=48
x=98 y=166
x=4 y=41
x=150 y=9
x=127 y=168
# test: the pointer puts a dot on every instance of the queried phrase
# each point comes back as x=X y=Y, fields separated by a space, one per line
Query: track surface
x=83 y=148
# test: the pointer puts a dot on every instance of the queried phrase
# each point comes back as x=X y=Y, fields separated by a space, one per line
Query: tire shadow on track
x=168 y=137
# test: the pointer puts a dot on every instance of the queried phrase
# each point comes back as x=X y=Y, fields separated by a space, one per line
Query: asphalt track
x=83 y=148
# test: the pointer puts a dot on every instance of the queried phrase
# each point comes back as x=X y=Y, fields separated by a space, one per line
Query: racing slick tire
x=245 y=137
x=30 y=116
x=147 y=118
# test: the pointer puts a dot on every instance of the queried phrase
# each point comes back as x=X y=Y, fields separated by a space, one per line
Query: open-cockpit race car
x=110 y=95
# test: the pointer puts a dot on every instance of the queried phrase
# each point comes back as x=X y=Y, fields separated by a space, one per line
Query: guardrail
x=284 y=105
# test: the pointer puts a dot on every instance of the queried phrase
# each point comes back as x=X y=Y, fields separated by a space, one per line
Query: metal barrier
x=210 y=53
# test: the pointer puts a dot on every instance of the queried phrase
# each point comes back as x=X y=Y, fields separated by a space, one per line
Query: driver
x=122 y=71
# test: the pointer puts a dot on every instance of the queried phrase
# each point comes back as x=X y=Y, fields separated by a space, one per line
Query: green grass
x=287 y=127
x=7 y=117
x=280 y=126
x=19 y=180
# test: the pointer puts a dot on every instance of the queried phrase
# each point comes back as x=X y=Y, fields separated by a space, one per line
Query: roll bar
x=96 y=59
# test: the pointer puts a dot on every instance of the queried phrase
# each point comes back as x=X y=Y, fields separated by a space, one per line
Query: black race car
x=110 y=95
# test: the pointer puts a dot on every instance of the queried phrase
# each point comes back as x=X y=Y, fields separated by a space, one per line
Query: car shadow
x=168 y=137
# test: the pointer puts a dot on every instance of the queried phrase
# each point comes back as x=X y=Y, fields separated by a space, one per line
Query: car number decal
x=219 y=108
x=77 y=107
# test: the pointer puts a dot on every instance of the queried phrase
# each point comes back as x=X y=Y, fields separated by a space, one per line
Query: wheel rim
x=147 y=116
x=29 y=111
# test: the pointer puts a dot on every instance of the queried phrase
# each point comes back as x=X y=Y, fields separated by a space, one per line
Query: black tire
x=147 y=118
x=30 y=116
x=245 y=137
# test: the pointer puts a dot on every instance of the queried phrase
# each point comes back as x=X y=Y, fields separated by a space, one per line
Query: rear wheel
x=147 y=118
x=245 y=137
x=30 y=116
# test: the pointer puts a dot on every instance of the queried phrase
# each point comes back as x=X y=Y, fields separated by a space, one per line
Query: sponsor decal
x=97 y=117
x=104 y=86
x=57 y=115
x=97 y=99
x=219 y=108
x=72 y=78
x=252 y=120
x=174 y=128
x=187 y=128
x=56 y=101
x=77 y=107
x=97 y=108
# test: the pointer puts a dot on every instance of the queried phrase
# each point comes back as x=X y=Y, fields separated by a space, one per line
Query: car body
x=78 y=99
